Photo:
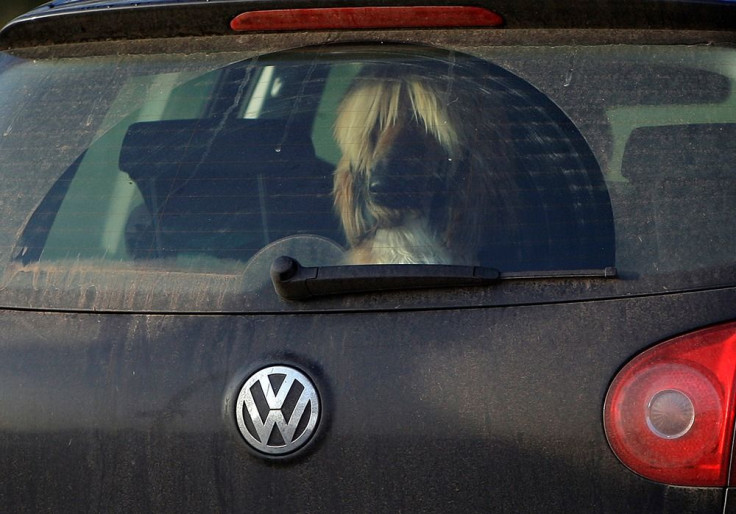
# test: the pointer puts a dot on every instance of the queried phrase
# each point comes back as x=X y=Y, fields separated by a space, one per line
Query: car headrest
x=680 y=151
x=154 y=148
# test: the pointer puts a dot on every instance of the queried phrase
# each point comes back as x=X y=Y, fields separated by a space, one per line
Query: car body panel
x=129 y=19
x=133 y=412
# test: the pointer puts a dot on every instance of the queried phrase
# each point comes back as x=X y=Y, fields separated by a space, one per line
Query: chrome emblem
x=277 y=410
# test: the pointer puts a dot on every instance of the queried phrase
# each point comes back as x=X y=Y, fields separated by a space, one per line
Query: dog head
x=401 y=147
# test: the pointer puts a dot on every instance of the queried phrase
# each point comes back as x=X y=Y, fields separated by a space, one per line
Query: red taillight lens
x=328 y=18
x=669 y=412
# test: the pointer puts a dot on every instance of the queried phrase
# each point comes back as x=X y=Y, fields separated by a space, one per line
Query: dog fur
x=413 y=126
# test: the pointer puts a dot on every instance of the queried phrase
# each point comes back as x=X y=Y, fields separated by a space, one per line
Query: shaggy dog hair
x=419 y=177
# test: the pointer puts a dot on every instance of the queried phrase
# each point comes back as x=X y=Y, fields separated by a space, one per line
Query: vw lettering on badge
x=277 y=410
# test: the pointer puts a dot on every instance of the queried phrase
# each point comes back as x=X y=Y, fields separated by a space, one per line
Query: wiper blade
x=608 y=272
x=293 y=281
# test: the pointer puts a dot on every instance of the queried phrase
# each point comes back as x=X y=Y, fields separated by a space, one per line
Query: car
x=373 y=256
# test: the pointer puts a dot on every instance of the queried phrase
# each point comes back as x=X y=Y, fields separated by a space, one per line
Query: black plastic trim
x=292 y=281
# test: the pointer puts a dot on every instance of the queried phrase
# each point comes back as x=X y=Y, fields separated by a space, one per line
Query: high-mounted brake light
x=329 y=18
x=669 y=413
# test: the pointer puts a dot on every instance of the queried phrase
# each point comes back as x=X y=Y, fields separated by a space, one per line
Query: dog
x=422 y=168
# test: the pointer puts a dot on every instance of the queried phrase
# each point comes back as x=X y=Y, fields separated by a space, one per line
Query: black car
x=368 y=256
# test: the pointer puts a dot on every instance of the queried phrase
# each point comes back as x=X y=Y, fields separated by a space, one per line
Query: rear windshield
x=165 y=181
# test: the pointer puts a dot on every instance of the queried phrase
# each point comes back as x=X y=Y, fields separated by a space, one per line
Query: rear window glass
x=170 y=182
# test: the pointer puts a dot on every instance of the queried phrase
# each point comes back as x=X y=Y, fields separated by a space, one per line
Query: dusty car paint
x=133 y=412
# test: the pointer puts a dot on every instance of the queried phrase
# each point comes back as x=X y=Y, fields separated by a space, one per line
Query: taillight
x=669 y=412
x=328 y=18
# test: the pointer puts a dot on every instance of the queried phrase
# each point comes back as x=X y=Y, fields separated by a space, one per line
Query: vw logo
x=277 y=410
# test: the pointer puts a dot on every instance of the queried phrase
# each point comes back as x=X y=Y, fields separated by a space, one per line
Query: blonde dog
x=419 y=176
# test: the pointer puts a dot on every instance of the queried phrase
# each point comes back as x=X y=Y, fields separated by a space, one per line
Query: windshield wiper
x=293 y=281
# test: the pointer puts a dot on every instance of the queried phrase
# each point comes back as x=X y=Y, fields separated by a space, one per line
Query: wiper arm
x=293 y=281
x=296 y=282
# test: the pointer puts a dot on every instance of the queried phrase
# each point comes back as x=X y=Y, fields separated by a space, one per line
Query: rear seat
x=679 y=209
x=224 y=189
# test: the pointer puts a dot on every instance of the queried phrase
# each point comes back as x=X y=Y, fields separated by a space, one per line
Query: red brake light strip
x=366 y=18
